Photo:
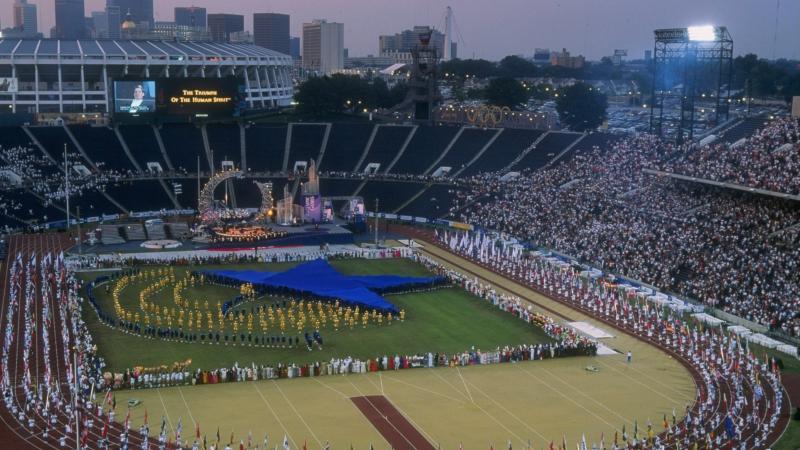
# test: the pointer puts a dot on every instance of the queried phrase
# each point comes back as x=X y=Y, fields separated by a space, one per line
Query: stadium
x=72 y=76
x=209 y=268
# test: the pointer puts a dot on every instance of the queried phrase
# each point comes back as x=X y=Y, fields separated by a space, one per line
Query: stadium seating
x=337 y=188
x=503 y=151
x=744 y=128
x=176 y=230
x=132 y=232
x=387 y=143
x=265 y=147
x=435 y=202
x=225 y=143
x=141 y=195
x=600 y=140
x=53 y=140
x=345 y=146
x=110 y=234
x=465 y=148
x=92 y=203
x=424 y=148
x=552 y=144
x=141 y=141
x=13 y=137
x=155 y=231
x=247 y=193
x=103 y=147
x=184 y=144
x=390 y=194
x=306 y=143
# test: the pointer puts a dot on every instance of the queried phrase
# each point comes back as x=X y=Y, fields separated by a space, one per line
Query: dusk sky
x=493 y=29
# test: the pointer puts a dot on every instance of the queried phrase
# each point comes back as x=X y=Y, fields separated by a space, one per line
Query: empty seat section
x=424 y=148
x=503 y=150
x=14 y=137
x=133 y=232
x=188 y=196
x=743 y=129
x=465 y=148
x=225 y=143
x=247 y=193
x=110 y=234
x=155 y=231
x=30 y=209
x=103 y=147
x=53 y=140
x=345 y=146
x=337 y=188
x=433 y=203
x=184 y=144
x=142 y=195
x=547 y=149
x=92 y=203
x=177 y=230
x=306 y=142
x=390 y=194
x=386 y=145
x=265 y=147
x=142 y=143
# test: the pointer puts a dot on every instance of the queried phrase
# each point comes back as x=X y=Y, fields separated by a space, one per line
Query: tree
x=581 y=107
x=506 y=92
x=477 y=68
x=516 y=67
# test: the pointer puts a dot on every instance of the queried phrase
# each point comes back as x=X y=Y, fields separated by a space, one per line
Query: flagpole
x=75 y=395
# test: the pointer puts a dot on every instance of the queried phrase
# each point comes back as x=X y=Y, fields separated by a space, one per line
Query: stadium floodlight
x=703 y=33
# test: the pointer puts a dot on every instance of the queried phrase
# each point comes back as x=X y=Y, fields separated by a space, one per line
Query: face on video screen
x=134 y=97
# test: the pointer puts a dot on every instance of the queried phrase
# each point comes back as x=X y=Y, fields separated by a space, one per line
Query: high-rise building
x=141 y=10
x=25 y=17
x=404 y=41
x=191 y=16
x=222 y=25
x=563 y=59
x=271 y=30
x=294 y=47
x=323 y=46
x=70 y=23
x=106 y=24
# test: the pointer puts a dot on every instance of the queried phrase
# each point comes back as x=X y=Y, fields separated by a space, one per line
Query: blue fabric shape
x=319 y=278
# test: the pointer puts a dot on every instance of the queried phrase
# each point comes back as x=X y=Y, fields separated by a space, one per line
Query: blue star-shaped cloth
x=320 y=279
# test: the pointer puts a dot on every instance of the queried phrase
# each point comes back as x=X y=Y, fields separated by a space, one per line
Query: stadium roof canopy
x=116 y=48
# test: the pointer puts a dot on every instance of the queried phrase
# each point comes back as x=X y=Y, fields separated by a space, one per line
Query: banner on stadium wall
x=461 y=226
x=420 y=220
x=8 y=84
x=406 y=217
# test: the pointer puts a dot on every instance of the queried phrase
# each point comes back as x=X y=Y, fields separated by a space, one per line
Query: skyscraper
x=222 y=25
x=323 y=46
x=271 y=31
x=25 y=17
x=294 y=47
x=70 y=23
x=141 y=10
x=107 y=23
x=191 y=16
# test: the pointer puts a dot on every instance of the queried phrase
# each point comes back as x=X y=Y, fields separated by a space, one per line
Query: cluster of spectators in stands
x=769 y=159
x=732 y=250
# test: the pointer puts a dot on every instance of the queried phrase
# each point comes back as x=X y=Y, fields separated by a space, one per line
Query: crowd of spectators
x=769 y=159
x=732 y=250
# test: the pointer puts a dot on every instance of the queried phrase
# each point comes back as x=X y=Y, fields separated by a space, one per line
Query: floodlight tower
x=447 y=53
x=691 y=65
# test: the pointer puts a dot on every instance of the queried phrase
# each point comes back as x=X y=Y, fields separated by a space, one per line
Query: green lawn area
x=445 y=320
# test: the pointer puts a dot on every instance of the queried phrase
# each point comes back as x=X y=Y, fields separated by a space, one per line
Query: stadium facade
x=75 y=76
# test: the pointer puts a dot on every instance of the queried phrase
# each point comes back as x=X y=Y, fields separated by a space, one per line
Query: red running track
x=390 y=423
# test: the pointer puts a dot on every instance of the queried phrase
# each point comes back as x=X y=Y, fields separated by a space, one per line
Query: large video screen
x=211 y=97
x=135 y=97
x=176 y=98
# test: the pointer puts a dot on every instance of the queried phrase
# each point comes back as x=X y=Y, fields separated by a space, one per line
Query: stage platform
x=299 y=236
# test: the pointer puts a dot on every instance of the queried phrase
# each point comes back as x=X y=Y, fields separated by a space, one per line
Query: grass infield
x=443 y=320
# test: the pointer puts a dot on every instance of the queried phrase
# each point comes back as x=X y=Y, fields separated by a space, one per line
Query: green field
x=443 y=320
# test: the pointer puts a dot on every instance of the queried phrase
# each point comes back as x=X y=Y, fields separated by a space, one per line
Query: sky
x=496 y=28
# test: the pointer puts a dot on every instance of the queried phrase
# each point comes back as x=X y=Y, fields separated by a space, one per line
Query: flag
x=179 y=429
x=145 y=417
x=197 y=430
x=241 y=445
x=305 y=445
x=231 y=441
x=286 y=443
x=217 y=435
x=127 y=419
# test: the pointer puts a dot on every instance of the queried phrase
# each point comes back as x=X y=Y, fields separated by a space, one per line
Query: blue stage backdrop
x=320 y=279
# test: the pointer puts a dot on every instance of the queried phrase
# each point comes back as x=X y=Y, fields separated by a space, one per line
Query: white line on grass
x=465 y=384
x=653 y=379
x=255 y=385
x=297 y=413
x=346 y=397
x=380 y=377
x=625 y=419
x=433 y=371
x=671 y=399
x=514 y=416
x=427 y=390
x=189 y=410
x=568 y=398
x=163 y=405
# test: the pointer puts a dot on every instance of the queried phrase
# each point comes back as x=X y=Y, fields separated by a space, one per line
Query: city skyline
x=593 y=29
